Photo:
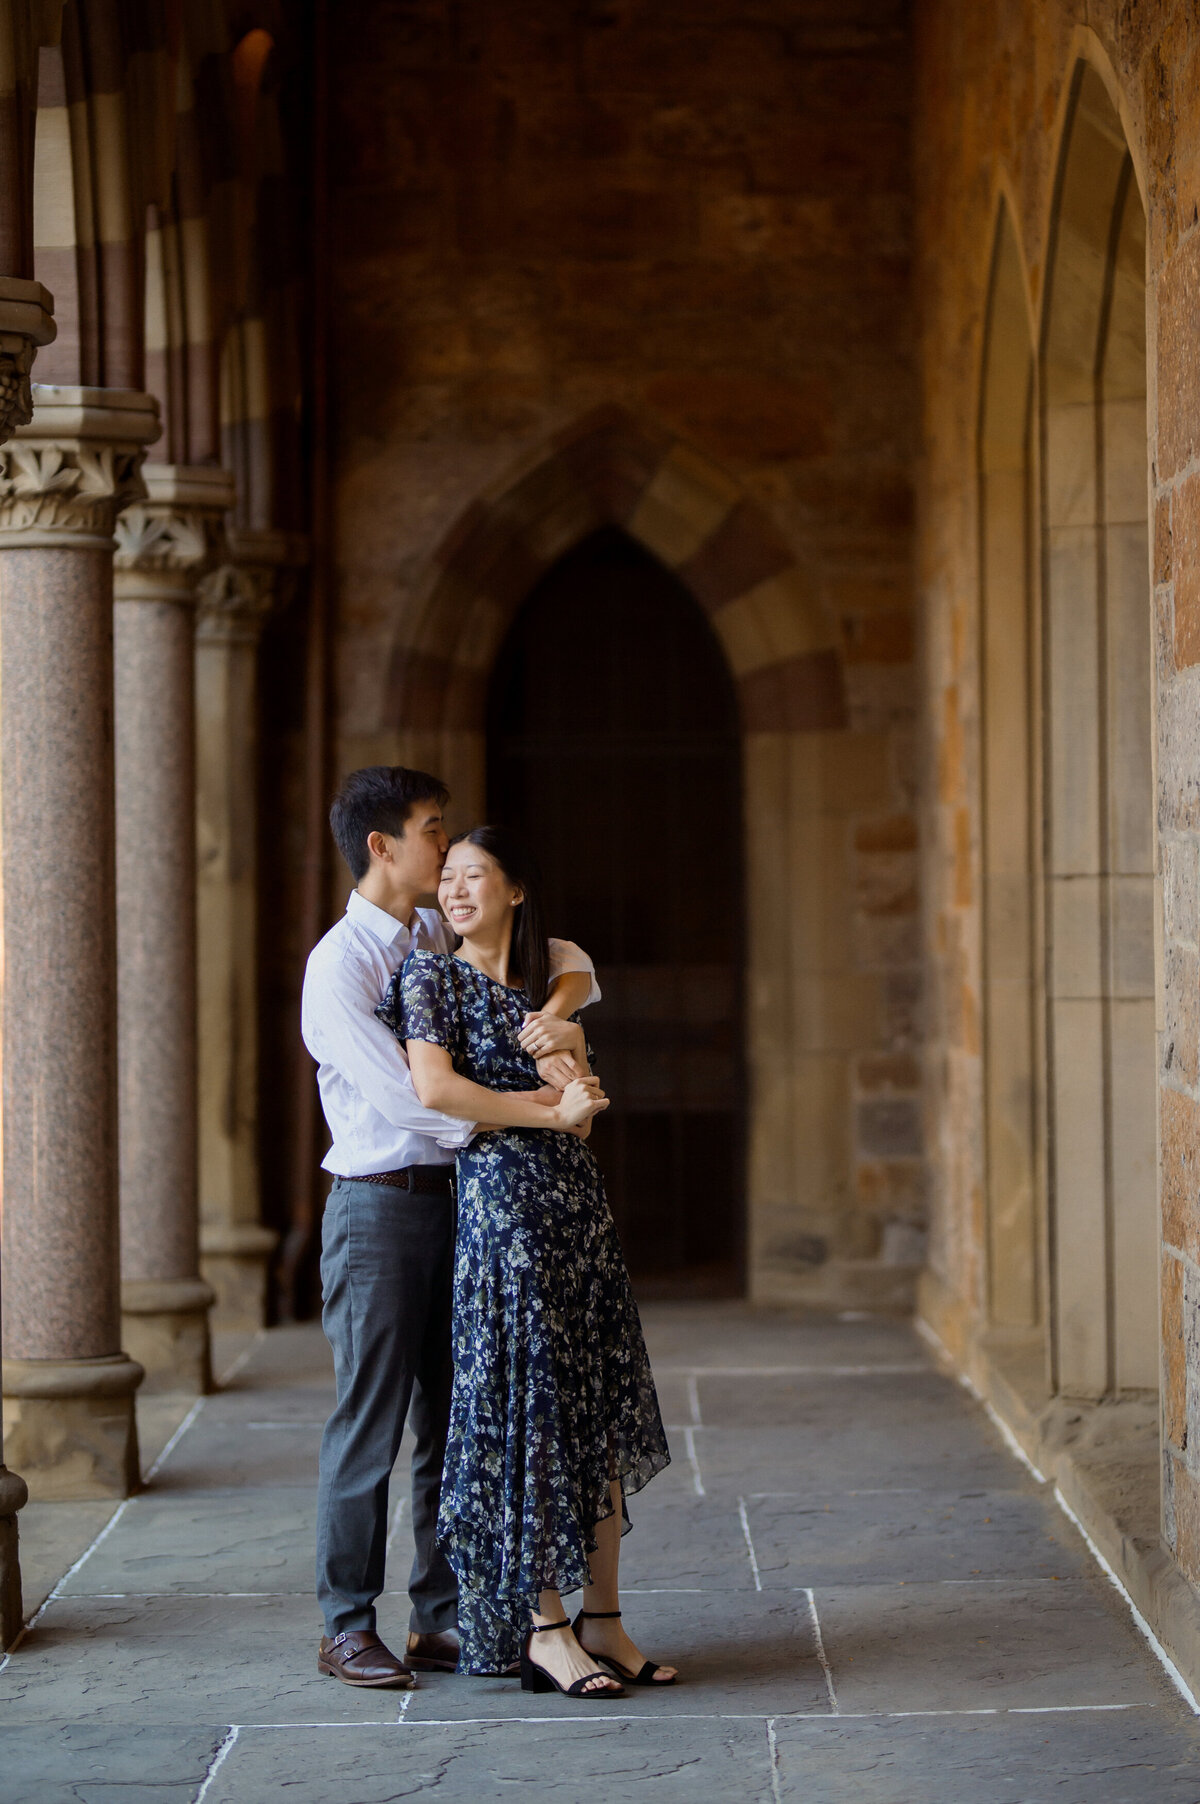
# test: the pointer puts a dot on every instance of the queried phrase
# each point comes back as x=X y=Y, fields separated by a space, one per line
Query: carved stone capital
x=237 y=596
x=66 y=475
x=26 y=322
x=167 y=542
x=235 y=600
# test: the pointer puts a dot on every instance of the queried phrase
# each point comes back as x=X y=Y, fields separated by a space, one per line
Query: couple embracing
x=500 y=1324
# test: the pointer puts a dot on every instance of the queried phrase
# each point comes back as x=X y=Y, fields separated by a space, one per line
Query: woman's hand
x=581 y=1100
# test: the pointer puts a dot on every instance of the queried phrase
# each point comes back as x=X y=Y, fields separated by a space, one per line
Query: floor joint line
x=773 y=1757
x=218 y=1760
x=745 y=1520
x=689 y=1441
x=822 y=1656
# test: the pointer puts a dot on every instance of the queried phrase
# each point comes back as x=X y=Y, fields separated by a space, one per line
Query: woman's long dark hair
x=530 y=947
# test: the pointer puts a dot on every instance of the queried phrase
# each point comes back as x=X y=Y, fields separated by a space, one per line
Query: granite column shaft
x=236 y=598
x=164 y=546
x=26 y=323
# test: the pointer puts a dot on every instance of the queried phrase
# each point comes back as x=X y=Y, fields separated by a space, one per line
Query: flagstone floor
x=868 y=1597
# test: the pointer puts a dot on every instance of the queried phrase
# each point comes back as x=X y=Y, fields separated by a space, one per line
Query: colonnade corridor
x=868 y=1596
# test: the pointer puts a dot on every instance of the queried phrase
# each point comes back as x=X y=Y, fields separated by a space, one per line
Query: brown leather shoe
x=358 y=1657
x=436 y=1651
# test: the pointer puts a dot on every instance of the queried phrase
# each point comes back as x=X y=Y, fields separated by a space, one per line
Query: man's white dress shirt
x=377 y=1121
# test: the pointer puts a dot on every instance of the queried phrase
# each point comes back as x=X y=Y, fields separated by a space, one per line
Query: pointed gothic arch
x=818 y=792
x=1099 y=836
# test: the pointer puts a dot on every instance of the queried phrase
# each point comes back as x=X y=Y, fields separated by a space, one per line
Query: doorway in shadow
x=614 y=748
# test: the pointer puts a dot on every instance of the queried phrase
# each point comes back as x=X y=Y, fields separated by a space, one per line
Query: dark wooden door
x=614 y=749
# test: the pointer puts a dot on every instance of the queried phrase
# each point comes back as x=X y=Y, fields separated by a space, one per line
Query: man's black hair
x=378 y=799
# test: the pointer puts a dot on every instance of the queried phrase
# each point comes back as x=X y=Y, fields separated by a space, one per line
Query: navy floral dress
x=552 y=1384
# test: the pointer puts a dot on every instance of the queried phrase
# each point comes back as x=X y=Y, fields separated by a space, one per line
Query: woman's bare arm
x=440 y=1087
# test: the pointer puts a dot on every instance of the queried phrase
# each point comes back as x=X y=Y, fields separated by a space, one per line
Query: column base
x=164 y=1326
x=235 y=1260
x=13 y=1494
x=69 y=1424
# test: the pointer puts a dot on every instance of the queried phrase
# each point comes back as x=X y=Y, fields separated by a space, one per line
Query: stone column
x=235 y=600
x=68 y=1387
x=25 y=323
x=164 y=546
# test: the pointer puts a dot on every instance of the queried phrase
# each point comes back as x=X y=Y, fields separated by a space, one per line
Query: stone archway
x=834 y=1152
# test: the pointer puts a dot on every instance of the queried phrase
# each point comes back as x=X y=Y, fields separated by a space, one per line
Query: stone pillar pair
x=68 y=1385
x=82 y=1048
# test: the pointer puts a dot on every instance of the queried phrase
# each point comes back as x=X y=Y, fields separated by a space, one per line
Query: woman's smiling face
x=474 y=892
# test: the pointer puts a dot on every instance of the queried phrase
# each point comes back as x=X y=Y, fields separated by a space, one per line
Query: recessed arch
x=1099 y=847
x=1010 y=802
x=610 y=470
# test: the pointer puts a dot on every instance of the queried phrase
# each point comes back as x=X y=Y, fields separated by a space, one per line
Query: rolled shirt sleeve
x=566 y=956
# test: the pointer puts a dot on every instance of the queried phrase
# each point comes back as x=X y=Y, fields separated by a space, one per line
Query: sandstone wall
x=992 y=82
x=698 y=216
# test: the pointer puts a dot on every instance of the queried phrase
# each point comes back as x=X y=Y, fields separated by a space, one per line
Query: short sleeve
x=420 y=1003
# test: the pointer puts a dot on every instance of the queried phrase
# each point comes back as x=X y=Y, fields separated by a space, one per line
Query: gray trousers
x=387 y=1260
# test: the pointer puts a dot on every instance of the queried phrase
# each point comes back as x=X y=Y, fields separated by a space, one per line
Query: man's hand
x=557 y=1046
x=545 y=1033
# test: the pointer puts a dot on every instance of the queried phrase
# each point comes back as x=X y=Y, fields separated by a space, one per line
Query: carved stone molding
x=26 y=323
x=66 y=475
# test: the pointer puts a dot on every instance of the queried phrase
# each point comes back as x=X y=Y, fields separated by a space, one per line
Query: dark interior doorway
x=613 y=746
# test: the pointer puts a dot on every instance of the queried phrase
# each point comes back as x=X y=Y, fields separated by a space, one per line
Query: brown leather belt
x=413 y=1177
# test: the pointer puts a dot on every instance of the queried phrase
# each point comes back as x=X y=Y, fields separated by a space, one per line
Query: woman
x=554 y=1417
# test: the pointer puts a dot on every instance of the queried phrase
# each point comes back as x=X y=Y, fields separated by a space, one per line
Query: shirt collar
x=378 y=922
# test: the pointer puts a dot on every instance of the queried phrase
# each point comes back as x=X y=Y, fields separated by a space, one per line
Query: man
x=388 y=1233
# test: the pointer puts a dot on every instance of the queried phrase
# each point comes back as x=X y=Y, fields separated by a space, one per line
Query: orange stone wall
x=991 y=82
x=694 y=220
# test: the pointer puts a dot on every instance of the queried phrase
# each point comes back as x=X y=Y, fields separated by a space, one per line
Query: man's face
x=421 y=852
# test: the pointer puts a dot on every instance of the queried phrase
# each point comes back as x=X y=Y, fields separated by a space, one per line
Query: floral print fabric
x=552 y=1385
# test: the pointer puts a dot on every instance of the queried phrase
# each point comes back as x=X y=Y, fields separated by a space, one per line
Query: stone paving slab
x=735 y=1461
x=695 y=1335
x=142 y=1660
x=908 y=1401
x=974 y=1646
x=52 y=1536
x=74 y=1763
x=216 y=1456
x=243 y=1540
x=1092 y=1757
x=608 y=1760
x=687 y=1542
x=306 y=1404
x=921 y=1535
x=745 y=1654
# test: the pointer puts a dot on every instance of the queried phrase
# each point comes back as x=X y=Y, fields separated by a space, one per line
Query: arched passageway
x=613 y=745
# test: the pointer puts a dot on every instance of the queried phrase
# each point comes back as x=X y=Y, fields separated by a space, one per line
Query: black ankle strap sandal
x=645 y=1677
x=536 y=1678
